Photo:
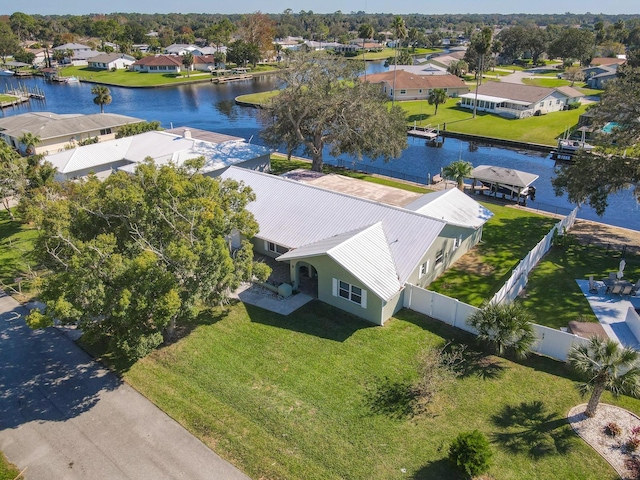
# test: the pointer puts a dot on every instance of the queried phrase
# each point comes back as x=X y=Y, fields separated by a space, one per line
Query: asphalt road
x=62 y=416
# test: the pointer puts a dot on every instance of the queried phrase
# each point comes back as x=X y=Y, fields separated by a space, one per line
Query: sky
x=80 y=7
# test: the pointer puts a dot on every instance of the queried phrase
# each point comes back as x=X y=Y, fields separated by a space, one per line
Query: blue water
x=211 y=107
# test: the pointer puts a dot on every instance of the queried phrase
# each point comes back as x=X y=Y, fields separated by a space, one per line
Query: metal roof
x=293 y=214
x=89 y=156
x=490 y=98
x=504 y=176
x=47 y=125
x=452 y=206
x=354 y=251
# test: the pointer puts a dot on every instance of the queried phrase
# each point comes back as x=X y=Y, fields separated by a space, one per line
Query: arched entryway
x=306 y=277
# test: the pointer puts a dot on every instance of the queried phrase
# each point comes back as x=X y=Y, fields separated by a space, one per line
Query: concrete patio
x=611 y=311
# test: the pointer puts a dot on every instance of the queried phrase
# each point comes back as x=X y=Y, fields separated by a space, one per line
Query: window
x=350 y=292
x=424 y=269
x=439 y=256
x=105 y=131
x=420 y=91
x=403 y=91
x=457 y=242
x=275 y=248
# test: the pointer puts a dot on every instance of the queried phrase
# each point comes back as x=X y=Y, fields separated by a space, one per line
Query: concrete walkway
x=62 y=416
x=611 y=311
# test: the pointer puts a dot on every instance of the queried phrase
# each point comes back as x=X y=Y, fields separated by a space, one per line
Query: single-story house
x=57 y=131
x=598 y=81
x=158 y=64
x=179 y=49
x=109 y=61
x=424 y=69
x=206 y=63
x=81 y=53
x=359 y=254
x=608 y=61
x=515 y=100
x=409 y=86
x=174 y=146
x=40 y=55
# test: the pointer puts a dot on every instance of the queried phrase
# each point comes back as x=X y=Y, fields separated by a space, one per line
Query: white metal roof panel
x=490 y=98
x=364 y=253
x=294 y=214
x=89 y=156
x=504 y=176
x=452 y=206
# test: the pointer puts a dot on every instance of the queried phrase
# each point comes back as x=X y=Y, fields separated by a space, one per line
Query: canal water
x=211 y=107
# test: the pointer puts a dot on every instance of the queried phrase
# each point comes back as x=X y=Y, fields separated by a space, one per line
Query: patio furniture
x=613 y=275
x=593 y=288
x=635 y=288
x=616 y=289
x=626 y=290
x=612 y=283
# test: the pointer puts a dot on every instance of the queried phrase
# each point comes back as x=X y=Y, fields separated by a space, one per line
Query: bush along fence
x=550 y=342
x=520 y=275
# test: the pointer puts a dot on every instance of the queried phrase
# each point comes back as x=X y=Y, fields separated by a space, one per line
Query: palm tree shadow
x=530 y=428
x=394 y=399
x=476 y=363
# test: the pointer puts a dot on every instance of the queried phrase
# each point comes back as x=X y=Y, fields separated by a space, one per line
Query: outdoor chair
x=626 y=290
x=635 y=288
x=616 y=289
x=593 y=288
x=613 y=275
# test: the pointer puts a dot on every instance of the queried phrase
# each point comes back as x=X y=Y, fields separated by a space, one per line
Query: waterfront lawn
x=257 y=98
x=280 y=165
x=544 y=129
x=8 y=471
x=7 y=98
x=16 y=247
x=506 y=238
x=552 y=294
x=322 y=394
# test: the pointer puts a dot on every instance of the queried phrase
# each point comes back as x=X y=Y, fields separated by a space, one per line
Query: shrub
x=471 y=453
x=633 y=467
x=436 y=368
x=612 y=429
x=635 y=431
x=574 y=105
x=632 y=444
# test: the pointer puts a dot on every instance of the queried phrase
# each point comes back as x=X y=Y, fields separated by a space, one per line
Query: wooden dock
x=428 y=132
x=231 y=78
x=22 y=94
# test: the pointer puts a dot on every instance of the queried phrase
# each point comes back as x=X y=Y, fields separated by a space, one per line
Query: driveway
x=62 y=416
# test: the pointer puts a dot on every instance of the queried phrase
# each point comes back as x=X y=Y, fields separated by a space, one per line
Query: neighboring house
x=357 y=253
x=40 y=55
x=109 y=61
x=158 y=64
x=514 y=100
x=598 y=81
x=206 y=63
x=607 y=61
x=174 y=146
x=447 y=59
x=424 y=69
x=179 y=49
x=57 y=131
x=200 y=51
x=410 y=86
x=81 y=53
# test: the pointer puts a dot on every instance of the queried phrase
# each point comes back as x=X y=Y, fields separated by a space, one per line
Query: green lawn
x=16 y=246
x=8 y=471
x=553 y=296
x=320 y=394
x=7 y=98
x=280 y=165
x=125 y=78
x=506 y=238
x=257 y=98
x=544 y=129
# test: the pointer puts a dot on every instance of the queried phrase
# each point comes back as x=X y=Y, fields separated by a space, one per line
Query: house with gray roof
x=56 y=131
x=412 y=86
x=110 y=61
x=169 y=147
x=513 y=100
x=358 y=254
x=81 y=53
x=599 y=80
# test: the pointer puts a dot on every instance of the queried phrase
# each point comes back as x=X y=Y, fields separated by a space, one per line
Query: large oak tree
x=324 y=103
x=135 y=255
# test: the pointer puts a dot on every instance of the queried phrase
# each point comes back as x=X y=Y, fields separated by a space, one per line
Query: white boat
x=568 y=146
x=71 y=80
x=6 y=73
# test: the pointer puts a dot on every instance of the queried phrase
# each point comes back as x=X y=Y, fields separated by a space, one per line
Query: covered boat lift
x=508 y=182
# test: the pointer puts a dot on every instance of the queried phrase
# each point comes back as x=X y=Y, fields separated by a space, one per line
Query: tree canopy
x=324 y=103
x=135 y=255
x=615 y=167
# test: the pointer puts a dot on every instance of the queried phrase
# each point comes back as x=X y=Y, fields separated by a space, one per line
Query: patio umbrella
x=623 y=263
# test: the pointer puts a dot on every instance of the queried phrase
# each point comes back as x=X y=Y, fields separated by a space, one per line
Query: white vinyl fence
x=550 y=342
x=520 y=274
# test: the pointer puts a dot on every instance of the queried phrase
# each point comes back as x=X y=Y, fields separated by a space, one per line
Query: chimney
x=186 y=133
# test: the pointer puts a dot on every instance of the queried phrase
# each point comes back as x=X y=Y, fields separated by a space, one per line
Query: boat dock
x=427 y=132
x=22 y=94
x=231 y=78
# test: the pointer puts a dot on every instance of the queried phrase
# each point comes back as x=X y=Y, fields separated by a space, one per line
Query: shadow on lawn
x=530 y=428
x=315 y=318
x=438 y=469
x=394 y=399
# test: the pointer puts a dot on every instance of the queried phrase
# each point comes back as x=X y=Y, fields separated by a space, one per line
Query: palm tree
x=505 y=326
x=187 y=61
x=607 y=366
x=399 y=30
x=102 y=96
x=481 y=45
x=364 y=32
x=457 y=170
x=436 y=97
x=30 y=142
